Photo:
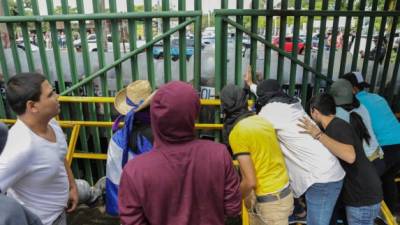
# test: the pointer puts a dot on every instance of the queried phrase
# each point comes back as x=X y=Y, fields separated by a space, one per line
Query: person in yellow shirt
x=254 y=144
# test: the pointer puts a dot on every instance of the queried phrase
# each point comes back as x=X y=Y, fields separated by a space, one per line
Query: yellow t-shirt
x=255 y=136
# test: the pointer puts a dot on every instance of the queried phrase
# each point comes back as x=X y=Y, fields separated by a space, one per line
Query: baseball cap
x=342 y=91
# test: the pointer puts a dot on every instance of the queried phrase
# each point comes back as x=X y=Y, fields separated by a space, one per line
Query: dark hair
x=348 y=107
x=359 y=126
x=22 y=88
x=324 y=103
x=353 y=80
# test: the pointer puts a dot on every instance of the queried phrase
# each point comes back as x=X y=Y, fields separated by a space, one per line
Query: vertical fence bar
x=307 y=53
x=182 y=44
x=332 y=52
x=25 y=35
x=253 y=43
x=293 y=66
x=343 y=58
x=238 y=46
x=57 y=57
x=101 y=58
x=132 y=40
x=224 y=47
x=389 y=51
x=358 y=37
x=42 y=48
x=11 y=34
x=282 y=36
x=87 y=69
x=394 y=77
x=166 y=44
x=379 y=47
x=268 y=38
x=369 y=39
x=197 y=47
x=3 y=63
x=321 y=47
x=103 y=77
x=148 y=27
x=116 y=43
x=219 y=68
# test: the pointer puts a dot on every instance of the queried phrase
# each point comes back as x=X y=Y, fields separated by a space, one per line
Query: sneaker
x=294 y=219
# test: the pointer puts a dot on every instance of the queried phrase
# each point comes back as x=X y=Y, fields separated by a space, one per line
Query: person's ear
x=31 y=107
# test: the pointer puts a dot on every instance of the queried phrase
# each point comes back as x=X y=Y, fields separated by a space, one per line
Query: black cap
x=356 y=79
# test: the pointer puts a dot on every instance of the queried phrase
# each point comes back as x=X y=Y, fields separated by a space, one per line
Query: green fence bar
x=291 y=12
x=296 y=29
x=282 y=36
x=238 y=47
x=268 y=37
x=26 y=37
x=358 y=37
x=388 y=55
x=42 y=47
x=109 y=16
x=321 y=46
x=182 y=44
x=224 y=47
x=57 y=59
x=74 y=77
x=166 y=44
x=394 y=77
x=218 y=55
x=56 y=49
x=148 y=27
x=253 y=43
x=3 y=62
x=332 y=51
x=101 y=59
x=197 y=47
x=87 y=70
x=379 y=47
x=116 y=42
x=132 y=40
x=307 y=53
x=11 y=35
x=343 y=58
x=369 y=38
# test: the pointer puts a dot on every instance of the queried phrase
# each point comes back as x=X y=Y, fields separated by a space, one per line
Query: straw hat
x=136 y=95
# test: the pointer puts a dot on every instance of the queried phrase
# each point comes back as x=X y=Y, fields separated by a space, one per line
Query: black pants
x=392 y=161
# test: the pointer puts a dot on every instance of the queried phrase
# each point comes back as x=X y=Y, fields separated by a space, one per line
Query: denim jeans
x=364 y=215
x=321 y=199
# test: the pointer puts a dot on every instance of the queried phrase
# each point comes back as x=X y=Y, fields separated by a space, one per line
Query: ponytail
x=359 y=126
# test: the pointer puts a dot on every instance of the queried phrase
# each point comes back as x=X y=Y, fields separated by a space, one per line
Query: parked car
x=288 y=46
x=158 y=49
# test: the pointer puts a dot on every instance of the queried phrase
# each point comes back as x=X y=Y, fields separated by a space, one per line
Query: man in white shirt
x=33 y=168
x=313 y=169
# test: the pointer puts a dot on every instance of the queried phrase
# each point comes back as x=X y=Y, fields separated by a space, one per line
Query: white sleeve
x=253 y=89
x=13 y=162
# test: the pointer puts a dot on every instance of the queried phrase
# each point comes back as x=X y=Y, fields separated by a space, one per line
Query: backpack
x=119 y=153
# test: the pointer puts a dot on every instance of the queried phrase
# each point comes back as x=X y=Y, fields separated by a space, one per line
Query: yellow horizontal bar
x=90 y=156
x=80 y=99
x=72 y=123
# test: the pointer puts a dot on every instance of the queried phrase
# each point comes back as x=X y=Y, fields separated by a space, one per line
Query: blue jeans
x=364 y=215
x=321 y=199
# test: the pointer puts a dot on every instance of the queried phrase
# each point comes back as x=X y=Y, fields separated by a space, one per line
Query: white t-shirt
x=307 y=160
x=32 y=171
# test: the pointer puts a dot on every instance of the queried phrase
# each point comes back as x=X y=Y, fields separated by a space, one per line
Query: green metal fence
x=90 y=72
x=318 y=62
x=15 y=19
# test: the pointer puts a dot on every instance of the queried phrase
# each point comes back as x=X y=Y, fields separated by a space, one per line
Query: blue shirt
x=384 y=122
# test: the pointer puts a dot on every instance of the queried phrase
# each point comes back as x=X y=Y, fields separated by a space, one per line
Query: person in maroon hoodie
x=183 y=180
